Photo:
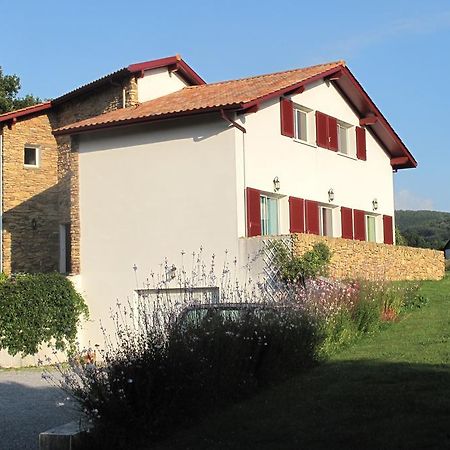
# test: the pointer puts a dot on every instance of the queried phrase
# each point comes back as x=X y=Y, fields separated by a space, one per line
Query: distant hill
x=427 y=229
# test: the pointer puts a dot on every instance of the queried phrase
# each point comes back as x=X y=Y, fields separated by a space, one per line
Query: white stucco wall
x=158 y=82
x=308 y=171
x=147 y=193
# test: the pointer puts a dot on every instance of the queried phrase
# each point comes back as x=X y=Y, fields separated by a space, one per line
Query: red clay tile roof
x=25 y=111
x=223 y=95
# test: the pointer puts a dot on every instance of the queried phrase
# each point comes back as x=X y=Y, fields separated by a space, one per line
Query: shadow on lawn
x=361 y=404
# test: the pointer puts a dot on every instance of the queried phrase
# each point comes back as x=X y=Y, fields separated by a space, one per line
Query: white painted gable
x=158 y=82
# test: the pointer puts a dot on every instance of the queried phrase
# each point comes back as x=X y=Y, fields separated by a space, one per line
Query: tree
x=9 y=89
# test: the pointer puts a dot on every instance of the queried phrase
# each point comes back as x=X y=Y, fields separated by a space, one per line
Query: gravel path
x=28 y=406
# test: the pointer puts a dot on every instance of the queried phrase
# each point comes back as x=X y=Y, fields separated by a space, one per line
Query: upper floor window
x=344 y=139
x=31 y=156
x=269 y=215
x=302 y=124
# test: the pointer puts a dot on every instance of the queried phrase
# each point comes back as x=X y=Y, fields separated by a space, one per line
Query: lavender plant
x=193 y=341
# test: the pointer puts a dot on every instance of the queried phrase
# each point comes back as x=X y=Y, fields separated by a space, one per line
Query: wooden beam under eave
x=399 y=161
x=336 y=76
x=252 y=109
x=297 y=90
x=369 y=120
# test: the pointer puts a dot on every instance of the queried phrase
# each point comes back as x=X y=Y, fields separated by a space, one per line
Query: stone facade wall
x=49 y=194
x=30 y=208
x=370 y=261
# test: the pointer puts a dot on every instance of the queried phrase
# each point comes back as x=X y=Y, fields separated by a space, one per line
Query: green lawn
x=388 y=391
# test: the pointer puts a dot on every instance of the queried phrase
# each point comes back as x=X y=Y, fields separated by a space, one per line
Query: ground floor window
x=269 y=215
x=326 y=221
x=65 y=264
x=371 y=229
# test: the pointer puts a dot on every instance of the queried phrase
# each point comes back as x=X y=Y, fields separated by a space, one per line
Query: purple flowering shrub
x=176 y=361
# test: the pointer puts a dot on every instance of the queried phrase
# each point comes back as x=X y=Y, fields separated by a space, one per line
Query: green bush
x=37 y=309
x=294 y=268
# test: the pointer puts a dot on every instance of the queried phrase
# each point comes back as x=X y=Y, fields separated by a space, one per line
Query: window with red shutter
x=253 y=212
x=359 y=224
x=326 y=131
x=296 y=215
x=388 y=230
x=312 y=217
x=332 y=134
x=347 y=222
x=287 y=117
x=361 y=152
x=321 y=129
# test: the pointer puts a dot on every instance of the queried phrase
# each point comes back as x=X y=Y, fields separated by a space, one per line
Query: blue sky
x=399 y=51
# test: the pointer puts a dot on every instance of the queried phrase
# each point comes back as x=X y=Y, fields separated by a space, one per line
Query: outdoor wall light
x=276 y=184
x=330 y=195
x=33 y=224
x=375 y=204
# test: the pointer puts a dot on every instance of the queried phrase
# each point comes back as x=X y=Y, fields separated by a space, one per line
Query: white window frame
x=265 y=216
x=38 y=156
x=321 y=230
x=309 y=124
x=349 y=139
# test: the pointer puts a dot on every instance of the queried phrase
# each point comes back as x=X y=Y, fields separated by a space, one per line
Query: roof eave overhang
x=173 y=63
x=14 y=115
x=142 y=120
x=372 y=118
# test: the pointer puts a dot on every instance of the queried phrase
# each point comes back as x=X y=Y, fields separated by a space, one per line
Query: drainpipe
x=241 y=128
x=231 y=121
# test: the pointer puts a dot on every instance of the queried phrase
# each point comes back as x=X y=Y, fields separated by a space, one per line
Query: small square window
x=30 y=156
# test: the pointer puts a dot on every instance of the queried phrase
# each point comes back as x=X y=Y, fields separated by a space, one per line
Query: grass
x=389 y=390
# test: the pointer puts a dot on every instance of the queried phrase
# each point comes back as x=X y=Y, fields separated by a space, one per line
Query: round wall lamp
x=330 y=194
x=276 y=184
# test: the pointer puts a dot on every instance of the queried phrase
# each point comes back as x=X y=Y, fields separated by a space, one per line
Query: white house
x=211 y=165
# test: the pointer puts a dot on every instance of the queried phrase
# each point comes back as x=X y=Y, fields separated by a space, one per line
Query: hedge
x=37 y=309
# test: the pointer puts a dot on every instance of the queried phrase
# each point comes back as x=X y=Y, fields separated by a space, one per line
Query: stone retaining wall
x=367 y=260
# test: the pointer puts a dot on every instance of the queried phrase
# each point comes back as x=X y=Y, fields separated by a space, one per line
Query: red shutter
x=297 y=215
x=388 y=230
x=361 y=143
x=359 y=223
x=321 y=129
x=347 y=222
x=312 y=217
x=287 y=117
x=253 y=212
x=332 y=134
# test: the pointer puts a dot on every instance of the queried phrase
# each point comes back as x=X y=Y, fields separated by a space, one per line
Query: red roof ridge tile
x=337 y=63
